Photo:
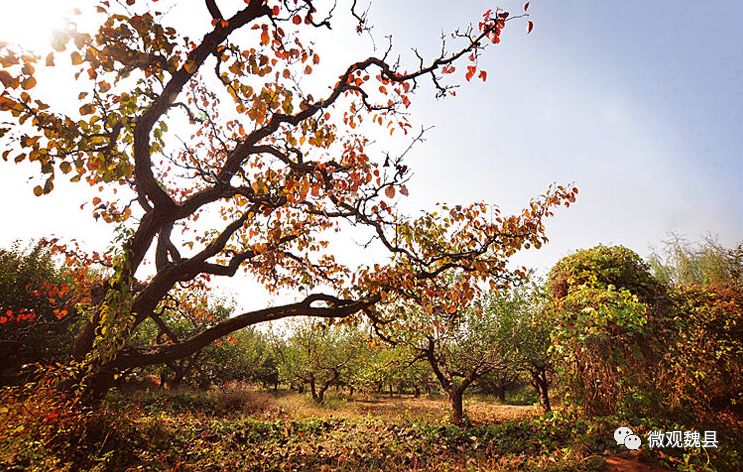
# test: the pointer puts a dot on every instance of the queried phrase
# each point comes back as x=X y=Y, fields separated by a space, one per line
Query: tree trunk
x=500 y=394
x=98 y=386
x=313 y=390
x=457 y=407
x=417 y=391
x=539 y=379
x=178 y=378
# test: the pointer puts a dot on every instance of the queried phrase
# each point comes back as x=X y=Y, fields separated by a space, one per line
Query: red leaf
x=526 y=6
x=296 y=20
x=529 y=26
x=483 y=75
x=471 y=70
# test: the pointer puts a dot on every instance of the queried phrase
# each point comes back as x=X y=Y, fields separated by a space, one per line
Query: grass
x=283 y=404
x=245 y=429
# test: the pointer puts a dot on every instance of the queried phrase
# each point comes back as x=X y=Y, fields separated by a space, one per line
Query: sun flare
x=32 y=23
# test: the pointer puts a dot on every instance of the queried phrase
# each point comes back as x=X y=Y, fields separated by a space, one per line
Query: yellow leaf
x=190 y=67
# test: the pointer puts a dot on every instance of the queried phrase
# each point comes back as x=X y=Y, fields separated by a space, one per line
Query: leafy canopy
x=217 y=158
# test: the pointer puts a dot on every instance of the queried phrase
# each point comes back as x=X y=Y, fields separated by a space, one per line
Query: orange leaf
x=483 y=75
x=390 y=191
x=29 y=83
x=5 y=78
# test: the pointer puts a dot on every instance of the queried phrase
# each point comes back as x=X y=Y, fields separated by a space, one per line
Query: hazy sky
x=639 y=103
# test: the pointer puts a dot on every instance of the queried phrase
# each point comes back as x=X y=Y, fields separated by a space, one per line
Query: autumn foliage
x=260 y=170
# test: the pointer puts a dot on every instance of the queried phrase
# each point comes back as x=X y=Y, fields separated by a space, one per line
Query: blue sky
x=639 y=103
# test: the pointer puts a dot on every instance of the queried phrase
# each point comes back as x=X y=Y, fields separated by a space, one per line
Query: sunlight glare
x=31 y=23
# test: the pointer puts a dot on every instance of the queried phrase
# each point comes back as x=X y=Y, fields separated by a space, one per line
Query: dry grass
x=264 y=405
x=399 y=408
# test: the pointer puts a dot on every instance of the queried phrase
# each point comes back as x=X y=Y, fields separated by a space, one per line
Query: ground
x=249 y=429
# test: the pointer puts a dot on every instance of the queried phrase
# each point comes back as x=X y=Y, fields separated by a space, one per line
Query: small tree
x=396 y=367
x=499 y=383
x=319 y=356
x=524 y=330
x=460 y=347
x=244 y=356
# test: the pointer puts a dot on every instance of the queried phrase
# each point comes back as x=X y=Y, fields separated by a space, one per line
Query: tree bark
x=313 y=390
x=99 y=385
x=540 y=382
x=326 y=385
x=457 y=406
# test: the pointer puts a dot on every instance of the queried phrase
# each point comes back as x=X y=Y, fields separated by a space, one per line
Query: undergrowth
x=243 y=430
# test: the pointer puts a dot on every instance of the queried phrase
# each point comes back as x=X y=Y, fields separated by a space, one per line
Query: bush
x=37 y=313
x=611 y=329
